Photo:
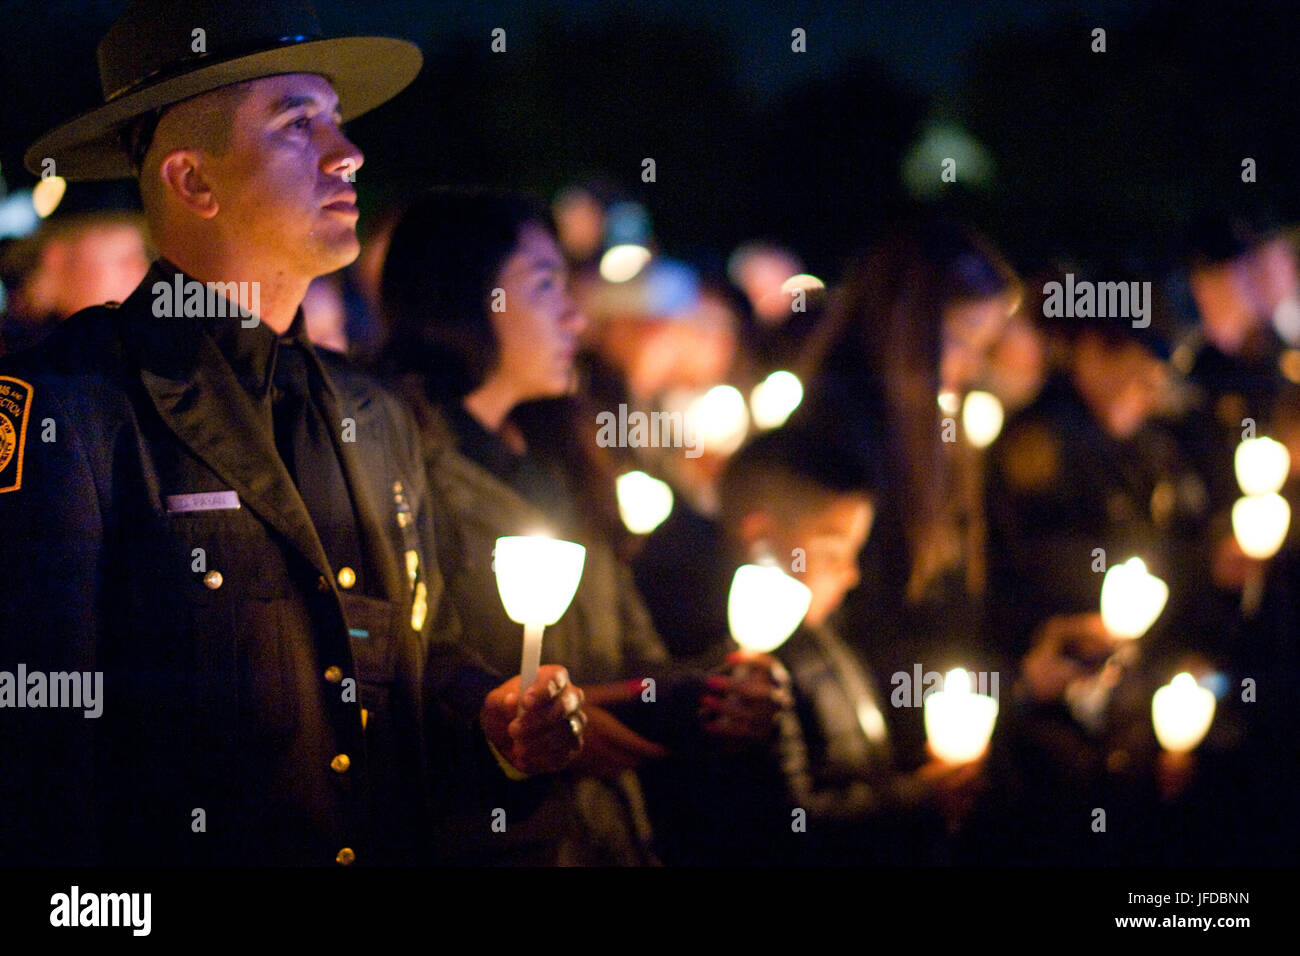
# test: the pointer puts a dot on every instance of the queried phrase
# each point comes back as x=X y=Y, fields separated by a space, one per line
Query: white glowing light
x=720 y=419
x=1261 y=465
x=47 y=194
x=959 y=724
x=643 y=501
x=774 y=399
x=621 y=263
x=981 y=418
x=765 y=606
x=1260 y=523
x=1182 y=711
x=536 y=578
x=949 y=402
x=804 y=281
x=1131 y=599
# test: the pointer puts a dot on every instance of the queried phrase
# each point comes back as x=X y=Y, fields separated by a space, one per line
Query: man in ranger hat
x=223 y=637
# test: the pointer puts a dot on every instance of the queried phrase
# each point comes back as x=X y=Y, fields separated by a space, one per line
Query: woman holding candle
x=483 y=339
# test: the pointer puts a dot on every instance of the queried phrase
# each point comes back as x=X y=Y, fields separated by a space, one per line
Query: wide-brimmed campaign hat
x=160 y=52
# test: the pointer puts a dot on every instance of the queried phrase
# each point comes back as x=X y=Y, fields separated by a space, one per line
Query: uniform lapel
x=191 y=385
x=374 y=544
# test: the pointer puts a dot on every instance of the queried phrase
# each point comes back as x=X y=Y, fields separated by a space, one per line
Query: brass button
x=213 y=579
x=345 y=856
x=340 y=763
x=347 y=578
x=333 y=674
x=322 y=583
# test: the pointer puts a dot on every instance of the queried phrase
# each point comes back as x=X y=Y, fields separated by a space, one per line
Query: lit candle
x=643 y=501
x=536 y=578
x=721 y=419
x=774 y=399
x=1131 y=599
x=1181 y=712
x=1260 y=523
x=958 y=724
x=765 y=606
x=981 y=418
x=1261 y=465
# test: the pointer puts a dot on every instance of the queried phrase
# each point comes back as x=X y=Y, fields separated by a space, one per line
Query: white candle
x=981 y=418
x=1131 y=599
x=774 y=399
x=532 y=656
x=1262 y=465
x=1260 y=523
x=643 y=501
x=1181 y=712
x=536 y=578
x=959 y=724
x=765 y=606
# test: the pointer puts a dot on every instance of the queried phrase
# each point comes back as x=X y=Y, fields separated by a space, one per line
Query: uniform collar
x=250 y=351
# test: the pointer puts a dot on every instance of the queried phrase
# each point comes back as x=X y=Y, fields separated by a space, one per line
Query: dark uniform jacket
x=255 y=709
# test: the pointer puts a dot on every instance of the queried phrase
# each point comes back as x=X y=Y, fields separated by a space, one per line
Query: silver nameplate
x=202 y=501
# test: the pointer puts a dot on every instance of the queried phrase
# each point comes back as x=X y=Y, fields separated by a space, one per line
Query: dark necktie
x=305 y=445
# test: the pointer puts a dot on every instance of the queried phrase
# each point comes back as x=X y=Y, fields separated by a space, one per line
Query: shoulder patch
x=1031 y=458
x=15 y=403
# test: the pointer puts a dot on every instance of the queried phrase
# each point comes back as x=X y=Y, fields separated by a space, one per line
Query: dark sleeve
x=467 y=785
x=51 y=592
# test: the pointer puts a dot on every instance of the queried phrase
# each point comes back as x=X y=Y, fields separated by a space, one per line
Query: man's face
x=1223 y=296
x=281 y=187
x=1127 y=383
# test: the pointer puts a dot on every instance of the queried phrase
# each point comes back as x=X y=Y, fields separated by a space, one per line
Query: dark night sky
x=1096 y=153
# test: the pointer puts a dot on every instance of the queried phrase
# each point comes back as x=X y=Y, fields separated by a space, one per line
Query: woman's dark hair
x=444 y=258
x=882 y=337
x=443 y=261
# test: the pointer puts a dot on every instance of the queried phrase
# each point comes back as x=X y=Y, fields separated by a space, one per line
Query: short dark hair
x=791 y=471
x=444 y=258
x=137 y=137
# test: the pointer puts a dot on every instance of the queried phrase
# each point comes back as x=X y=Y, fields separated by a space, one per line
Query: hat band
x=190 y=64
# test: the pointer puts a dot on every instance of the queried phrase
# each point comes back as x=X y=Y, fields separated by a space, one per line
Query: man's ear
x=181 y=172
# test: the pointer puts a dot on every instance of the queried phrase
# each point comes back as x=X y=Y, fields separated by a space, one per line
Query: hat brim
x=364 y=71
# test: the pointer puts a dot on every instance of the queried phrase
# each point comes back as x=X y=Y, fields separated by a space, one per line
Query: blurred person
x=484 y=335
x=192 y=532
x=1077 y=470
x=1081 y=480
x=760 y=270
x=1017 y=363
x=1275 y=284
x=657 y=343
x=913 y=318
x=1241 y=272
x=69 y=264
x=808 y=507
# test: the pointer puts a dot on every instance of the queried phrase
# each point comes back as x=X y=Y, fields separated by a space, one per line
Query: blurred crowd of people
x=928 y=540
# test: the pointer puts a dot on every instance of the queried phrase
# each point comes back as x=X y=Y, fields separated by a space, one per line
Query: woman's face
x=537 y=323
x=969 y=331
